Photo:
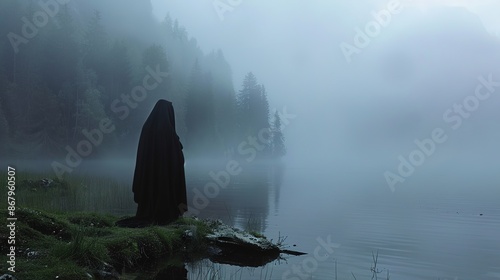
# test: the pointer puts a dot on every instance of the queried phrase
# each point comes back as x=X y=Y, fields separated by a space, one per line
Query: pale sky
x=251 y=25
x=292 y=46
x=487 y=10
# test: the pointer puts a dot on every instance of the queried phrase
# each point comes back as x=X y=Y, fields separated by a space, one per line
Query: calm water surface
x=446 y=226
x=443 y=222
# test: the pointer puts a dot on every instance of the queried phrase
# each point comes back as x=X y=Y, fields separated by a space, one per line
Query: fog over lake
x=376 y=128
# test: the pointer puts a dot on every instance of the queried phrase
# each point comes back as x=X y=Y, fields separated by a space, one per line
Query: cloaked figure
x=159 y=184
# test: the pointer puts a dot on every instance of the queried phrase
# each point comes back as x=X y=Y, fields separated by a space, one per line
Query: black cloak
x=159 y=184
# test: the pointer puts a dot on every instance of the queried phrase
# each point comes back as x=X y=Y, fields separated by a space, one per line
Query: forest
x=66 y=78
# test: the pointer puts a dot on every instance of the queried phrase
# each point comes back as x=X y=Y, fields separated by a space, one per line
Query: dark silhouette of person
x=159 y=183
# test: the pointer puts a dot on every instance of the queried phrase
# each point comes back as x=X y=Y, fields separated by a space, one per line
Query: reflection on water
x=162 y=272
x=429 y=228
x=206 y=269
x=243 y=202
x=277 y=172
x=432 y=229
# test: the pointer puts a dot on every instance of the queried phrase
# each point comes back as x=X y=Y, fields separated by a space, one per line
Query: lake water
x=440 y=224
x=443 y=222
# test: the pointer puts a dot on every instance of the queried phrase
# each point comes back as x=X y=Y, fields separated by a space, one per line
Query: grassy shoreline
x=55 y=239
x=77 y=192
x=81 y=245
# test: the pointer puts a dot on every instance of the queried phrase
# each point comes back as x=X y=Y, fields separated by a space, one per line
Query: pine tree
x=200 y=113
x=277 y=139
x=58 y=56
x=253 y=106
x=58 y=52
x=65 y=79
x=38 y=130
x=95 y=47
x=167 y=25
x=247 y=104
x=262 y=115
x=44 y=133
x=262 y=121
x=119 y=73
x=155 y=57
x=224 y=100
x=90 y=109
x=193 y=107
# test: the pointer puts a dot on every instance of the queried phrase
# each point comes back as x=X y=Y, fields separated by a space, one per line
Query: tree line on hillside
x=61 y=84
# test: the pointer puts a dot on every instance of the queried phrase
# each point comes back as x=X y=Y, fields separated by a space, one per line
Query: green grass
x=73 y=245
x=73 y=193
x=257 y=234
x=56 y=239
x=83 y=250
x=66 y=243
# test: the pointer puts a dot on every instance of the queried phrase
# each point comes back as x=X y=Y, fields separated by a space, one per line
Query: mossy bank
x=90 y=246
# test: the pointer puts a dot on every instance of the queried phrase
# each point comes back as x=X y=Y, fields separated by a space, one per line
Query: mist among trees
x=79 y=69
